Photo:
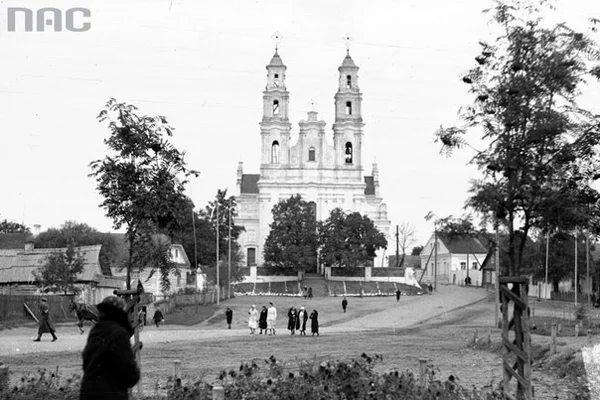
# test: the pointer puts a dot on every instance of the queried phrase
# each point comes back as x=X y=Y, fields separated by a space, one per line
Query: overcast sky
x=202 y=64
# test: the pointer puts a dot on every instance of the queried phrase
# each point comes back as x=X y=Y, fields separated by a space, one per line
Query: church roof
x=348 y=62
x=370 y=189
x=250 y=183
x=276 y=61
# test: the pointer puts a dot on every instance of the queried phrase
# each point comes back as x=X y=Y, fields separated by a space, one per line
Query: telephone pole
x=397 y=247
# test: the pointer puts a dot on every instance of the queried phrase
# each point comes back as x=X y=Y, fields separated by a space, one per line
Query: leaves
x=61 y=270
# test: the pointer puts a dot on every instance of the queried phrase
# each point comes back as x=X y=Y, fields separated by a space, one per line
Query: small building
x=458 y=257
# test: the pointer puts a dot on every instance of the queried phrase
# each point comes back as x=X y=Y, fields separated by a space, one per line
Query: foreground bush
x=353 y=379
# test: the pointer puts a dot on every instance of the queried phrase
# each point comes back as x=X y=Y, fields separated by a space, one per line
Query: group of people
x=307 y=292
x=297 y=321
x=264 y=321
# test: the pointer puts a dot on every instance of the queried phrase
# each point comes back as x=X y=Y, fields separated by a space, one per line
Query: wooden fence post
x=577 y=330
x=589 y=337
x=422 y=370
x=177 y=373
x=4 y=377
x=553 y=336
x=218 y=393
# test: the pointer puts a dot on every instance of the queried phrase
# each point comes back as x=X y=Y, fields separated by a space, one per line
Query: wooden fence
x=178 y=300
x=12 y=306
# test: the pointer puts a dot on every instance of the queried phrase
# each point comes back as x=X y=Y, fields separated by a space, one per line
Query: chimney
x=36 y=230
x=29 y=245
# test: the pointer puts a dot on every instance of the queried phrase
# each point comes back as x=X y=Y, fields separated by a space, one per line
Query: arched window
x=348 y=81
x=348 y=108
x=251 y=256
x=312 y=206
x=275 y=152
x=275 y=107
x=311 y=154
x=348 y=153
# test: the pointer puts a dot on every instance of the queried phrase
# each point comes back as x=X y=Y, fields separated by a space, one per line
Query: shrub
x=45 y=385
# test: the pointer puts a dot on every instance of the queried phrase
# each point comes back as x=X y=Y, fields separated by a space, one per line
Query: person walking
x=398 y=294
x=271 y=319
x=158 y=317
x=253 y=319
x=262 y=320
x=292 y=320
x=310 y=293
x=314 y=322
x=301 y=321
x=344 y=304
x=229 y=316
x=109 y=366
x=430 y=287
x=46 y=325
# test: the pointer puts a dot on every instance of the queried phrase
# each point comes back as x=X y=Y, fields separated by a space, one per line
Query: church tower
x=348 y=126
x=275 y=126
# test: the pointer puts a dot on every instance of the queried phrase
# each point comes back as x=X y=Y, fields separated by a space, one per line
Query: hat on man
x=44 y=299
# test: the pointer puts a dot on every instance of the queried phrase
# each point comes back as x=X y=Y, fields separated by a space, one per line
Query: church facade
x=326 y=175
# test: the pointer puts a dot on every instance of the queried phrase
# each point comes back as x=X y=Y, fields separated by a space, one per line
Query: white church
x=326 y=175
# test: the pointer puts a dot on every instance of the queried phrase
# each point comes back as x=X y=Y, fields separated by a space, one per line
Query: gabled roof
x=462 y=244
x=250 y=183
x=370 y=189
x=409 y=261
x=186 y=261
x=13 y=240
x=24 y=263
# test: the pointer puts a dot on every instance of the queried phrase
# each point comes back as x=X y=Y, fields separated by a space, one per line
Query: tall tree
x=349 y=240
x=292 y=241
x=7 y=226
x=542 y=153
x=143 y=180
x=406 y=238
x=59 y=273
x=81 y=234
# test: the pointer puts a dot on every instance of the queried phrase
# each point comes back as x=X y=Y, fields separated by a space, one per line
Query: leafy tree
x=81 y=234
x=416 y=250
x=142 y=182
x=541 y=153
x=349 y=240
x=7 y=226
x=59 y=273
x=292 y=241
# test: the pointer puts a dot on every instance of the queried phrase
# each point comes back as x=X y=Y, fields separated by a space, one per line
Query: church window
x=349 y=81
x=276 y=76
x=311 y=154
x=348 y=153
x=348 y=108
x=251 y=256
x=312 y=206
x=275 y=152
x=275 y=107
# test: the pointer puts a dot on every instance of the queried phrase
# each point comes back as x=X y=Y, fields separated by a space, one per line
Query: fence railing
x=13 y=306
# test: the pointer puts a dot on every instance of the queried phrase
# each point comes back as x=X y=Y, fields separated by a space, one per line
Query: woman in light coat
x=253 y=319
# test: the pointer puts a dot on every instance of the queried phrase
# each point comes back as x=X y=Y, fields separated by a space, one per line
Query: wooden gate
x=517 y=350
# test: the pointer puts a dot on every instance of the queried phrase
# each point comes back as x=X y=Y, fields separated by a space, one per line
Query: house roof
x=409 y=261
x=13 y=240
x=250 y=183
x=462 y=244
x=24 y=263
x=370 y=189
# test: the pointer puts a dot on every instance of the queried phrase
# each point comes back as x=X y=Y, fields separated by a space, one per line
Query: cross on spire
x=348 y=38
x=312 y=105
x=276 y=39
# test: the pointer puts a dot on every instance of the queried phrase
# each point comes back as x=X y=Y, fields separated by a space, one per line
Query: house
x=458 y=257
x=17 y=267
x=409 y=261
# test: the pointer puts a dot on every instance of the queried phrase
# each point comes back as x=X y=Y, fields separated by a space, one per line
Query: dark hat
x=44 y=299
x=115 y=302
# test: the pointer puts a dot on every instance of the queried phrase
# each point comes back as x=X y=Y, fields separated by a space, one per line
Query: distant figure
x=344 y=304
x=271 y=319
x=109 y=366
x=292 y=320
x=398 y=294
x=314 y=322
x=158 y=317
x=46 y=325
x=467 y=281
x=262 y=320
x=229 y=316
x=301 y=321
x=305 y=291
x=310 y=293
x=253 y=319
x=430 y=287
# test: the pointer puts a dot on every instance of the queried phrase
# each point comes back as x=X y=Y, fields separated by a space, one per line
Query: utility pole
x=435 y=247
x=575 y=268
x=497 y=276
x=587 y=264
x=547 y=258
x=229 y=255
x=397 y=247
x=217 y=228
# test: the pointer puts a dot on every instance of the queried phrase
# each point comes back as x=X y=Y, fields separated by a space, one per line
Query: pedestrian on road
x=109 y=366
x=229 y=316
x=292 y=320
x=430 y=287
x=344 y=304
x=310 y=293
x=262 y=320
x=158 y=317
x=253 y=319
x=271 y=319
x=314 y=322
x=305 y=291
x=46 y=325
x=301 y=321
x=398 y=294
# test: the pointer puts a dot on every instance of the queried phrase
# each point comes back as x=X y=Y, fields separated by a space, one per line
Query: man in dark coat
x=398 y=294
x=109 y=366
x=262 y=320
x=158 y=317
x=314 y=322
x=46 y=325
x=344 y=304
x=292 y=320
x=229 y=316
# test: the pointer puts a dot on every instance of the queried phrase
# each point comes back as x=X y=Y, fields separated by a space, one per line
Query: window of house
x=178 y=280
x=251 y=256
x=275 y=107
x=348 y=81
x=463 y=265
x=474 y=265
x=275 y=152
x=311 y=154
x=313 y=208
x=348 y=153
x=348 y=108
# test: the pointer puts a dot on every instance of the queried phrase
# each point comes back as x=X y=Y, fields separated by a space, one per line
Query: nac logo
x=51 y=19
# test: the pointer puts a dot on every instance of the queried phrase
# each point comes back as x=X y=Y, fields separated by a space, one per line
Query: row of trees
x=297 y=240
